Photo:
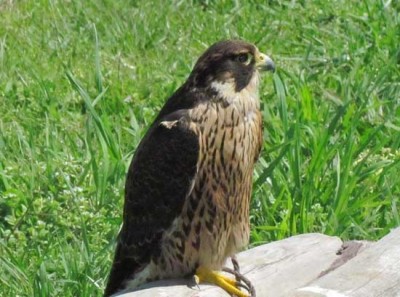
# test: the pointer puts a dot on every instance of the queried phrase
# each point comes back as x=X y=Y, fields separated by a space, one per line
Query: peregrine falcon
x=189 y=184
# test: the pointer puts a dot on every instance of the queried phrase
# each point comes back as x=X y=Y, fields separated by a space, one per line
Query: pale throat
x=245 y=101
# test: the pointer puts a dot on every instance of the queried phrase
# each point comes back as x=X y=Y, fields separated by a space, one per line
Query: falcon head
x=228 y=70
x=232 y=63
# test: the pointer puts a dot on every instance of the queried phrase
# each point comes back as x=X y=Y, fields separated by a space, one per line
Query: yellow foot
x=205 y=275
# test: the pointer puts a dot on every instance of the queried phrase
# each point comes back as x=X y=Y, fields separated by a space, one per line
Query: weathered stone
x=307 y=265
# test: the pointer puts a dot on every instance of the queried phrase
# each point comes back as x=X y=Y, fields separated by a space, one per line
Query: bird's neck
x=244 y=101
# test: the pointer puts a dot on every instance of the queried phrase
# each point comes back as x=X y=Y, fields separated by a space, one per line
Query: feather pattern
x=188 y=188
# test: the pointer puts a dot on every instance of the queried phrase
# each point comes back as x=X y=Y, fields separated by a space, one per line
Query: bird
x=188 y=187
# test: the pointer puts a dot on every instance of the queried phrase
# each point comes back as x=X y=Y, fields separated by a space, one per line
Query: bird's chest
x=229 y=139
x=218 y=207
x=214 y=222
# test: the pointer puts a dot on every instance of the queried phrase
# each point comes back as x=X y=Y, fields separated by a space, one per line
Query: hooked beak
x=265 y=63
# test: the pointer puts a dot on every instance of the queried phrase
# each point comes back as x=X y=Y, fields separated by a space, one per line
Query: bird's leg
x=240 y=278
x=205 y=275
x=235 y=265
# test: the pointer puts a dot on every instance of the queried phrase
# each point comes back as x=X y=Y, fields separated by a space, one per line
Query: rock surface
x=307 y=265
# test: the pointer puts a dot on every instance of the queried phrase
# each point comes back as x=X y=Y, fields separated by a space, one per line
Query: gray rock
x=307 y=265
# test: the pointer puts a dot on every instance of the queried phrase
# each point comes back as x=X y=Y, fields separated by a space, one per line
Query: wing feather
x=159 y=179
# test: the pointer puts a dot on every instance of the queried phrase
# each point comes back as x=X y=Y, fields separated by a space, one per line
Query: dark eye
x=244 y=58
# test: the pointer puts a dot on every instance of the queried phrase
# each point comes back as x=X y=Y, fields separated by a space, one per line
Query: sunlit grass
x=81 y=81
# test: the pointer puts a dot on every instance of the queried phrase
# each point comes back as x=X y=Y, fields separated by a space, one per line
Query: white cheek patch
x=245 y=100
x=225 y=89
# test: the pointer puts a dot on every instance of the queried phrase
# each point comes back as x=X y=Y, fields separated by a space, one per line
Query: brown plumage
x=189 y=184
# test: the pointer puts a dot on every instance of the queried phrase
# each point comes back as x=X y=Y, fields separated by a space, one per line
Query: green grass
x=81 y=80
